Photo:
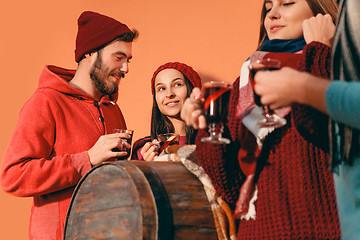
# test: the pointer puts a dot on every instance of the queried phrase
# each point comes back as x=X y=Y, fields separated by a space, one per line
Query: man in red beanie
x=65 y=127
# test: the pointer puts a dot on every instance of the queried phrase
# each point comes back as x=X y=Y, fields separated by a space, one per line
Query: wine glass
x=270 y=118
x=167 y=139
x=217 y=94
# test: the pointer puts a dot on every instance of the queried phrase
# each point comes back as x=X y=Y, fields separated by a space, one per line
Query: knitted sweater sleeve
x=311 y=123
x=220 y=161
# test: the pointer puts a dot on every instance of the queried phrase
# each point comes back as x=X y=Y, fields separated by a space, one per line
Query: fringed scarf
x=250 y=114
x=346 y=60
x=280 y=49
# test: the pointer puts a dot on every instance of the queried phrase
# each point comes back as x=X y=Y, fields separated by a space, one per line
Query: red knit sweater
x=47 y=154
x=296 y=198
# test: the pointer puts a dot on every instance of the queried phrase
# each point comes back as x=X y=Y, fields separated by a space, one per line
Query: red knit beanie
x=186 y=70
x=96 y=30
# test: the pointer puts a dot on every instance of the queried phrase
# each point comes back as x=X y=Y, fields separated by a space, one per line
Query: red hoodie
x=47 y=154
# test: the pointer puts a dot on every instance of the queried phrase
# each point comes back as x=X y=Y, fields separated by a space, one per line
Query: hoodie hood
x=58 y=79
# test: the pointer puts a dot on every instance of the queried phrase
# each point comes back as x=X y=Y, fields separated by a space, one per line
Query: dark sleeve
x=311 y=123
x=137 y=145
x=220 y=161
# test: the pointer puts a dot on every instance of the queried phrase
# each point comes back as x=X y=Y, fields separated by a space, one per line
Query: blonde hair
x=317 y=6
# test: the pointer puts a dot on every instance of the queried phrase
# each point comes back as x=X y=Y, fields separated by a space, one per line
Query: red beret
x=96 y=30
x=186 y=70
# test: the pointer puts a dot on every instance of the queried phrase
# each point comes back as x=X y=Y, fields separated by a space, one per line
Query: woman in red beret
x=171 y=84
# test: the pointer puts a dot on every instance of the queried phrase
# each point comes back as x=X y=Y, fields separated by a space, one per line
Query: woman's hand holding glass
x=281 y=88
x=192 y=111
x=287 y=86
x=150 y=150
x=270 y=119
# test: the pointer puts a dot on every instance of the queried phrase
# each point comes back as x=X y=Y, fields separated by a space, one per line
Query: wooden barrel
x=139 y=200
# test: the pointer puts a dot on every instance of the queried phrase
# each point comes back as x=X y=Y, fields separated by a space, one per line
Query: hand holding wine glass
x=270 y=118
x=192 y=111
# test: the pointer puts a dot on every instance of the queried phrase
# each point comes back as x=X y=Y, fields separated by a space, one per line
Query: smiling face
x=110 y=66
x=284 y=18
x=170 y=92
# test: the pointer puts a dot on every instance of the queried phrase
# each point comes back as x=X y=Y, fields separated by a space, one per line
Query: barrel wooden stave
x=190 y=209
x=163 y=200
x=100 y=210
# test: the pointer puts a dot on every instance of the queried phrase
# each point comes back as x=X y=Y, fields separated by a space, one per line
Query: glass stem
x=267 y=112
x=212 y=129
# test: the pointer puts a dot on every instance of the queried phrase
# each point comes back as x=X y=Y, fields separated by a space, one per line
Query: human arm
x=338 y=99
x=48 y=150
x=288 y=86
x=220 y=161
x=145 y=150
x=103 y=148
x=342 y=102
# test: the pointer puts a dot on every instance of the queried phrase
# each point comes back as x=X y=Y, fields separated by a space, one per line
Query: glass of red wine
x=217 y=94
x=167 y=139
x=270 y=118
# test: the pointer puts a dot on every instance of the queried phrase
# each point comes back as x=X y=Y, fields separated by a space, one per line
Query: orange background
x=212 y=36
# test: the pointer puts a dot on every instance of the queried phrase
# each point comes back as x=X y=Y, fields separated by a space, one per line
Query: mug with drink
x=167 y=139
x=128 y=140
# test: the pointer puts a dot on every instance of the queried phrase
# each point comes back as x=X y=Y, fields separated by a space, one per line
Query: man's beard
x=100 y=73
